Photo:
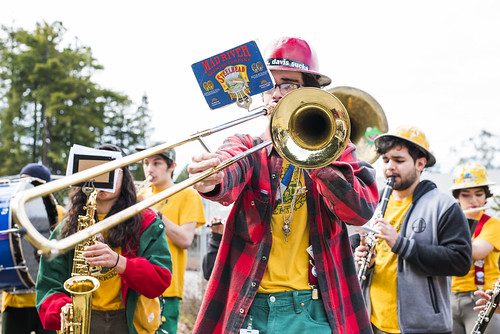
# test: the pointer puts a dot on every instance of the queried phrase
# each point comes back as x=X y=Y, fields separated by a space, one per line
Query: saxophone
x=484 y=316
x=75 y=317
x=370 y=239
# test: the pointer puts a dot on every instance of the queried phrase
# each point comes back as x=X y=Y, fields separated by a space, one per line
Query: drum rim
x=15 y=240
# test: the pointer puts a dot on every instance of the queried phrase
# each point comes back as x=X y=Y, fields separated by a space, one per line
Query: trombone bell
x=309 y=128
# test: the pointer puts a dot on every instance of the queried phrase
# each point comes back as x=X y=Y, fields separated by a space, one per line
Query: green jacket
x=148 y=273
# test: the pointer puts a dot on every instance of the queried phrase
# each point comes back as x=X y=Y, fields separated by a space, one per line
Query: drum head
x=18 y=258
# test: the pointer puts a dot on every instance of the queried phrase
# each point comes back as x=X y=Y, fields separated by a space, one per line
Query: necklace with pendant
x=287 y=222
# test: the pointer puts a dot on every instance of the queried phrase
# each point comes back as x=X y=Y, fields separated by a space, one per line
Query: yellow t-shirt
x=288 y=264
x=383 y=287
x=490 y=233
x=60 y=212
x=18 y=300
x=108 y=296
x=184 y=207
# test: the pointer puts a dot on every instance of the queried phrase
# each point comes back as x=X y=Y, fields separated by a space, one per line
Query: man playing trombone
x=423 y=240
x=285 y=262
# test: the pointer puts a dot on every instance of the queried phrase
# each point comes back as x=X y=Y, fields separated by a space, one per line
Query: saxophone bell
x=75 y=317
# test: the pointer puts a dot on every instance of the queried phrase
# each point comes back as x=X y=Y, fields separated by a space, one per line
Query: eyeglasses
x=284 y=88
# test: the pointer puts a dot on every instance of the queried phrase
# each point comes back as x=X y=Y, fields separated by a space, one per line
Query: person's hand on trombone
x=202 y=162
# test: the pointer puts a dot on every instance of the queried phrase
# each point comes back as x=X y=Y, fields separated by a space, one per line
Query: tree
x=183 y=175
x=483 y=149
x=138 y=123
x=49 y=101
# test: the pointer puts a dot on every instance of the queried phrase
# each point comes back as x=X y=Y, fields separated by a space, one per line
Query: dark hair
x=310 y=80
x=125 y=234
x=169 y=162
x=385 y=144
x=487 y=191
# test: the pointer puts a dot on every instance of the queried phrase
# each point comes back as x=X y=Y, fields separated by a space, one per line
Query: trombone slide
x=52 y=248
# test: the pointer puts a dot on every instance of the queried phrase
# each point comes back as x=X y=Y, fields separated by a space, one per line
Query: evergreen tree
x=49 y=101
x=483 y=148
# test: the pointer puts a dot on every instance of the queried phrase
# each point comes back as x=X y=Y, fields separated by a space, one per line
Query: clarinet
x=370 y=239
x=484 y=316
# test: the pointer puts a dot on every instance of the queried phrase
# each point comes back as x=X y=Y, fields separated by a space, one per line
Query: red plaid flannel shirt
x=244 y=251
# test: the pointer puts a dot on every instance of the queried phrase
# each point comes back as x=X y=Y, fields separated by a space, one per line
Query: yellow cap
x=414 y=136
x=469 y=176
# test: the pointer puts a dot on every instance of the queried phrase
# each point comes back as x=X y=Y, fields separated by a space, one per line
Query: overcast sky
x=433 y=64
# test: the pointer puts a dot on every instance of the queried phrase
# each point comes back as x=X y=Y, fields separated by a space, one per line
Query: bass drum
x=18 y=258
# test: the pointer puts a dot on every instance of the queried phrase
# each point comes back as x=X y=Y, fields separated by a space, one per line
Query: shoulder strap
x=480 y=224
x=479 y=278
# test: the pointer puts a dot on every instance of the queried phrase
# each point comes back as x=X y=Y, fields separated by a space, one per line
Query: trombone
x=309 y=128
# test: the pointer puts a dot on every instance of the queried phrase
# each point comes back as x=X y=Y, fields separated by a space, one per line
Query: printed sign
x=82 y=158
x=232 y=75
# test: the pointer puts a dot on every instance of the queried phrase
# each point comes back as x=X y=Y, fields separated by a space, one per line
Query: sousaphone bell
x=367 y=120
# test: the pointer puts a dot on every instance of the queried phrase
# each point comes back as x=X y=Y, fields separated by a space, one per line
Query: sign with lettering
x=231 y=75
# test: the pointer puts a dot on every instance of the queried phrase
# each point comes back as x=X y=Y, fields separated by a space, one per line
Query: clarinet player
x=424 y=239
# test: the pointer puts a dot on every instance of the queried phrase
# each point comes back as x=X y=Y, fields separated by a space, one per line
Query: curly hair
x=125 y=234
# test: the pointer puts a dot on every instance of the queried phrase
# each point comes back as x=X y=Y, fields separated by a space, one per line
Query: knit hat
x=38 y=171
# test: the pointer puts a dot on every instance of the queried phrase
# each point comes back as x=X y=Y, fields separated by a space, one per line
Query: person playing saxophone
x=134 y=259
x=424 y=239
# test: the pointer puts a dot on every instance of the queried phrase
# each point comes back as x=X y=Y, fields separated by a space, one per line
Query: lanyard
x=479 y=278
x=285 y=181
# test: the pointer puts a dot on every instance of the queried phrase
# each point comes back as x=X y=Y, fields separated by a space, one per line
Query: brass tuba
x=75 y=317
x=367 y=120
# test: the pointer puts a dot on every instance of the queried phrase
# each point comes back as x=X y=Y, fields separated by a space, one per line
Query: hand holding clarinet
x=364 y=254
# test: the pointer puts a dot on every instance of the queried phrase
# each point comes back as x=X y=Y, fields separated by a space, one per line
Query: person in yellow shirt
x=19 y=314
x=471 y=189
x=181 y=213
x=423 y=239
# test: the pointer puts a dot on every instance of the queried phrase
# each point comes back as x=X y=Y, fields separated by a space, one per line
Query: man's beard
x=405 y=183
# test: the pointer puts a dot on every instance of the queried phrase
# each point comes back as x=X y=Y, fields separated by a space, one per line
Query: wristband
x=117 y=259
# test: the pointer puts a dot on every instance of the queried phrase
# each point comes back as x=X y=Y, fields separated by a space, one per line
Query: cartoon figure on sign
x=371 y=134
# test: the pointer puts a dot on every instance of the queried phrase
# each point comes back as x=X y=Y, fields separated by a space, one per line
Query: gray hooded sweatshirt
x=434 y=244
